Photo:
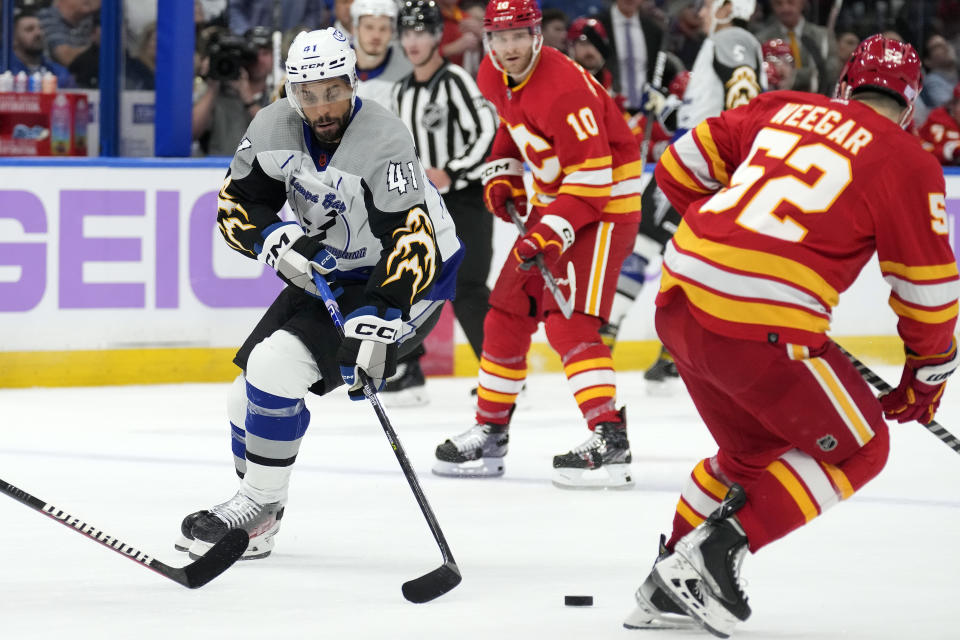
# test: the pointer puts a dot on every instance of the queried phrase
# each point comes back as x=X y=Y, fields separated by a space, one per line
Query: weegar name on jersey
x=850 y=135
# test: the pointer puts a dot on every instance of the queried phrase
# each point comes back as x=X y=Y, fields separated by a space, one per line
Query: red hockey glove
x=503 y=182
x=921 y=388
x=551 y=236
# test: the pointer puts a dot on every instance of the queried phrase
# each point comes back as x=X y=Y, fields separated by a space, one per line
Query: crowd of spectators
x=63 y=37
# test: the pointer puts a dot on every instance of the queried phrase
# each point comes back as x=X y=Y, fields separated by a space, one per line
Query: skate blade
x=708 y=614
x=257 y=549
x=609 y=476
x=641 y=619
x=482 y=468
x=404 y=398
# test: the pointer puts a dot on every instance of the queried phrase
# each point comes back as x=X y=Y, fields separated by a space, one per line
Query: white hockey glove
x=658 y=105
x=369 y=344
x=296 y=256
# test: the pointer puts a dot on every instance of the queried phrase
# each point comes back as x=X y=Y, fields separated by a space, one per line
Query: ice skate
x=703 y=574
x=475 y=453
x=406 y=388
x=601 y=462
x=202 y=529
x=655 y=609
x=662 y=378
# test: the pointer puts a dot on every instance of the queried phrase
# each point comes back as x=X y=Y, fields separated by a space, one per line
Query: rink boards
x=114 y=272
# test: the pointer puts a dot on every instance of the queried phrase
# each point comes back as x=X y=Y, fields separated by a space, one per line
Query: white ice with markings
x=134 y=460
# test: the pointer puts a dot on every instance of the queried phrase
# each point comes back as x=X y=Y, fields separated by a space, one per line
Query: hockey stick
x=657 y=83
x=880 y=385
x=196 y=574
x=447 y=576
x=565 y=304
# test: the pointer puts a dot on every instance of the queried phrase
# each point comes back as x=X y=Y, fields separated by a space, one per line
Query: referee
x=453 y=127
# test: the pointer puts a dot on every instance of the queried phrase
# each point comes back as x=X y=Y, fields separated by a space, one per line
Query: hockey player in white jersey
x=367 y=220
x=380 y=62
x=727 y=72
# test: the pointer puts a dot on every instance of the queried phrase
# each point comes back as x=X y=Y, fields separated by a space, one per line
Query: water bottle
x=80 y=118
x=20 y=82
x=34 y=82
x=60 y=126
x=48 y=84
x=6 y=82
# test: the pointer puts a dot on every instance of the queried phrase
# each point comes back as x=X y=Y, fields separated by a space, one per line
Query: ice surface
x=135 y=460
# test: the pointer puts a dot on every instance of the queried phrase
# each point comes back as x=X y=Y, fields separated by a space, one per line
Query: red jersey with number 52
x=785 y=200
x=566 y=127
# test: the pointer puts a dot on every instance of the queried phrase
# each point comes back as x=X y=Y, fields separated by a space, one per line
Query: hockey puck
x=578 y=601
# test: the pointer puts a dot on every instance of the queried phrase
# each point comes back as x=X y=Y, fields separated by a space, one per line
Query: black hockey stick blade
x=196 y=574
x=218 y=559
x=432 y=585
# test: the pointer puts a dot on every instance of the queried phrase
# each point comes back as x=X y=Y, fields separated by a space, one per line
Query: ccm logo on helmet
x=385 y=333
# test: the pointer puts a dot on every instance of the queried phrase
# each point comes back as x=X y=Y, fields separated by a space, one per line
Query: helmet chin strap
x=537 y=46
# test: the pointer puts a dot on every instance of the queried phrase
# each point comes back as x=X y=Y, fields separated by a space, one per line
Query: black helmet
x=420 y=15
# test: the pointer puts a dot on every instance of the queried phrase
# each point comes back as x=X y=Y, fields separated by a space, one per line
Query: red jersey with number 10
x=585 y=161
x=785 y=201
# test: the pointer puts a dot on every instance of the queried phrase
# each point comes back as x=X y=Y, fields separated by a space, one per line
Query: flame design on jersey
x=415 y=251
x=228 y=221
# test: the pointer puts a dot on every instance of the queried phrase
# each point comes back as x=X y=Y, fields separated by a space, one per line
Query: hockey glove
x=921 y=388
x=551 y=237
x=296 y=255
x=369 y=344
x=658 y=105
x=503 y=182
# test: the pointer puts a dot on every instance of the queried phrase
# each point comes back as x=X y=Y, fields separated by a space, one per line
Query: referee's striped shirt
x=452 y=124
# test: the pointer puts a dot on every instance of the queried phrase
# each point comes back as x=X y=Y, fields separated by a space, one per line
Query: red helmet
x=592 y=31
x=888 y=65
x=511 y=14
x=777 y=49
x=679 y=84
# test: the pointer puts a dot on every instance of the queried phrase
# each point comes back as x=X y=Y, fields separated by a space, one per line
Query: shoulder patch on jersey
x=244 y=144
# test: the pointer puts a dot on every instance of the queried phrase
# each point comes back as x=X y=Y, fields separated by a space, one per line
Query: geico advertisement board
x=110 y=257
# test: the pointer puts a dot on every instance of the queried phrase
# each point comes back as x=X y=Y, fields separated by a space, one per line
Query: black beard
x=333 y=135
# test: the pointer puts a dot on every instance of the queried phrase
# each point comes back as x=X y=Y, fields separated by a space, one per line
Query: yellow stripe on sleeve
x=703 y=134
x=678 y=172
x=794 y=488
x=929 y=272
x=593 y=163
x=927 y=317
x=708 y=482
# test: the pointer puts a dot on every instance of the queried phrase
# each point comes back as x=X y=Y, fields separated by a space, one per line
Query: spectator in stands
x=28 y=50
x=232 y=92
x=636 y=41
x=246 y=14
x=590 y=48
x=812 y=46
x=462 y=33
x=554 y=29
x=940 y=60
x=847 y=41
x=940 y=134
x=686 y=35
x=139 y=69
x=72 y=30
x=342 y=19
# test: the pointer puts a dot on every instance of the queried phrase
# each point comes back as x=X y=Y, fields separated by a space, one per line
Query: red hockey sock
x=701 y=495
x=503 y=365
x=587 y=364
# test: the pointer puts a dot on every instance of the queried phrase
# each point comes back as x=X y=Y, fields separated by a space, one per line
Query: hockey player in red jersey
x=785 y=201
x=585 y=209
x=940 y=134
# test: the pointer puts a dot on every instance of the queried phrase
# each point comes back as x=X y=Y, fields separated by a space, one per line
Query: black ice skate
x=703 y=574
x=202 y=529
x=601 y=462
x=476 y=453
x=655 y=609
x=406 y=388
x=662 y=377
